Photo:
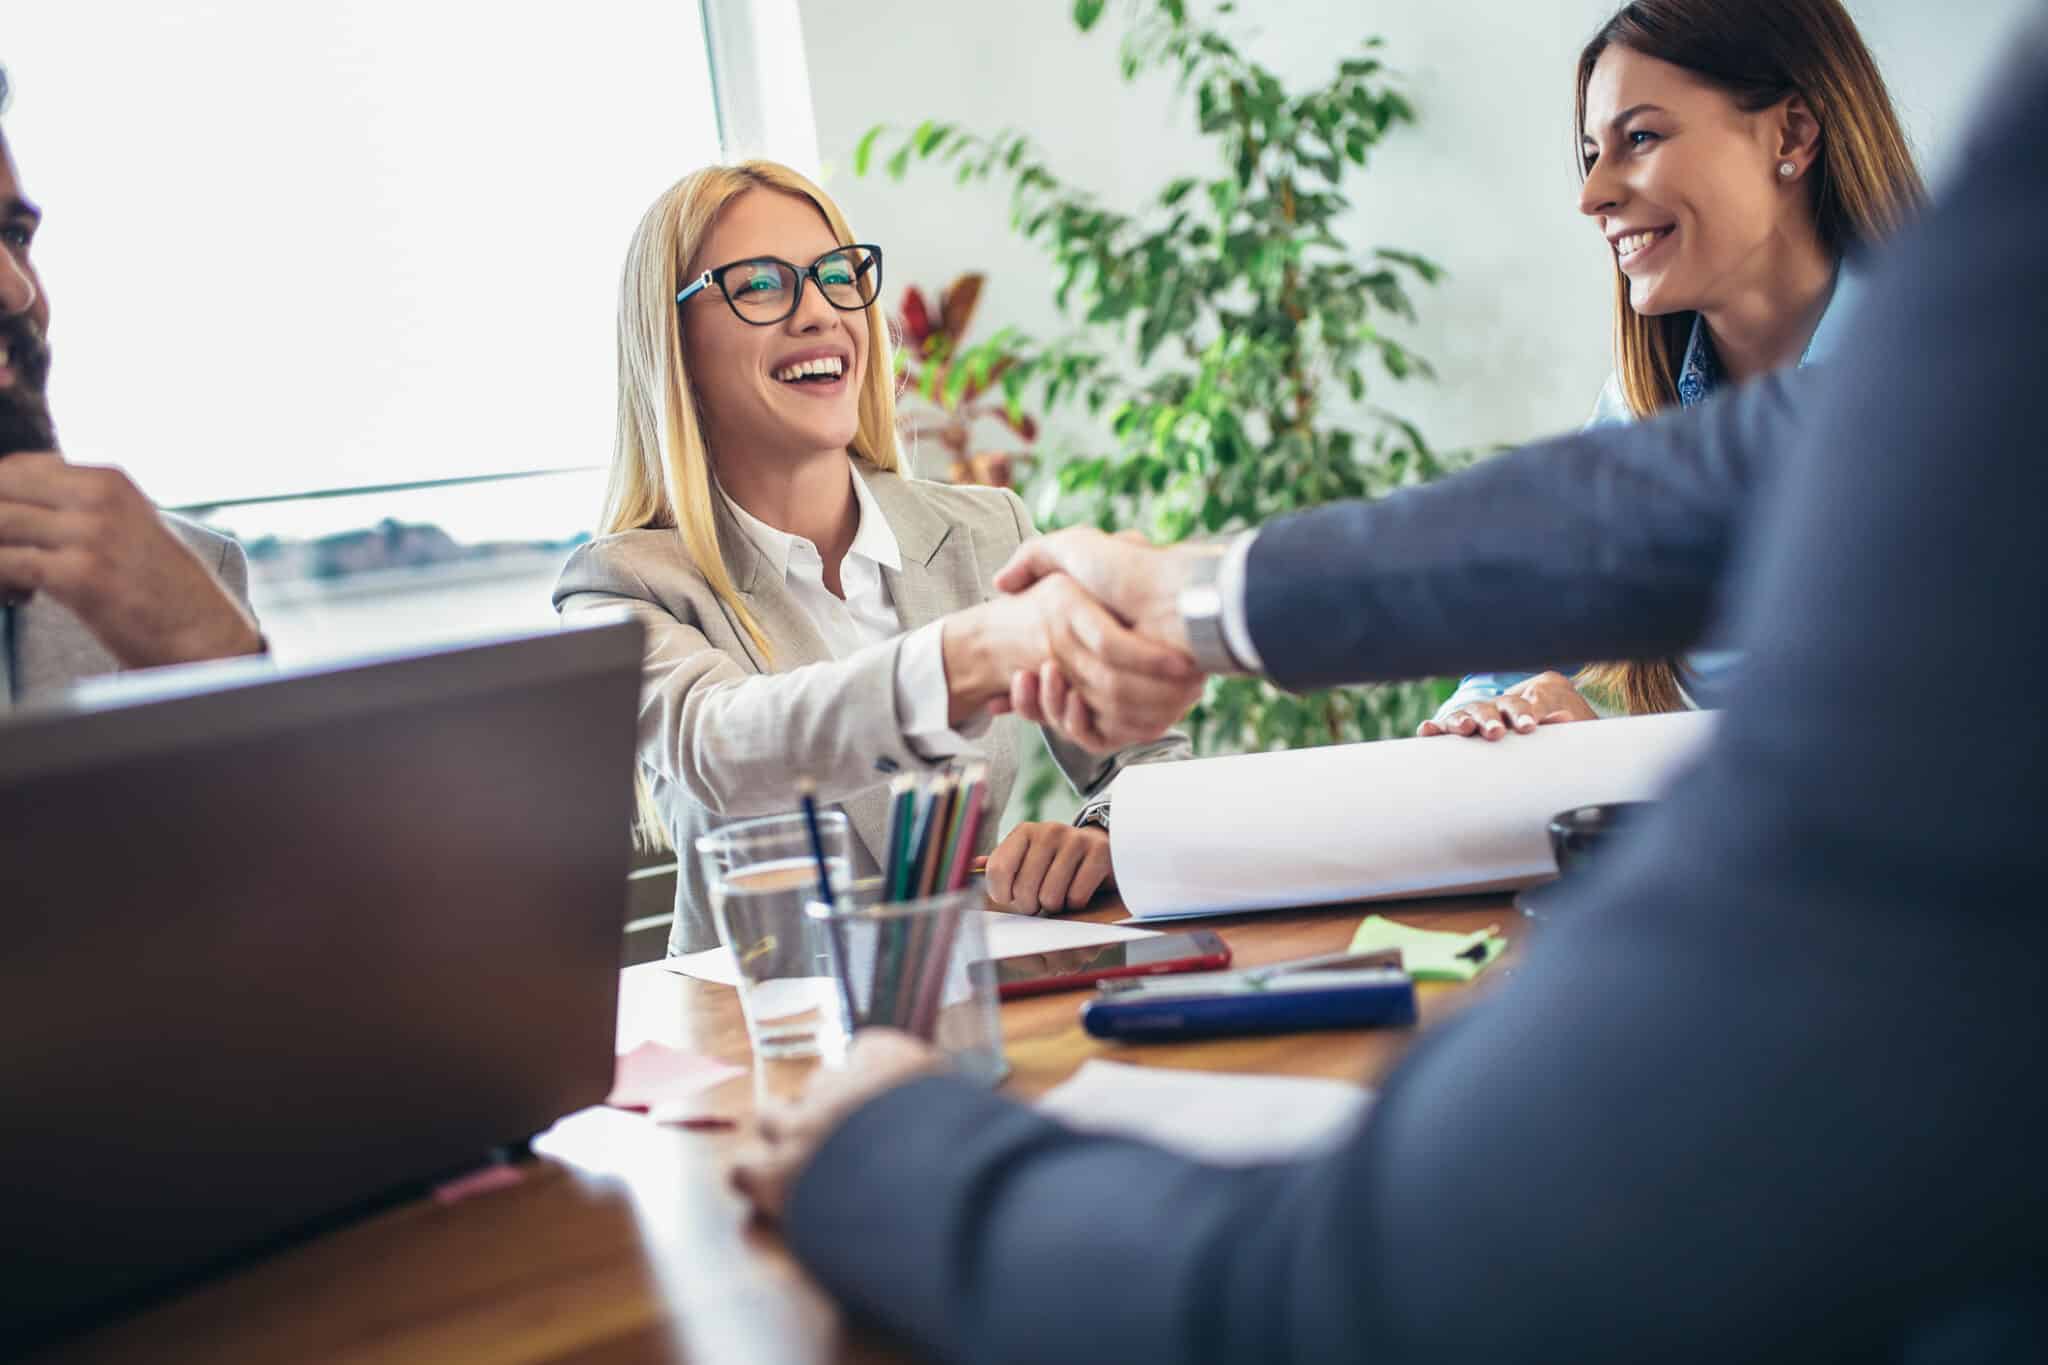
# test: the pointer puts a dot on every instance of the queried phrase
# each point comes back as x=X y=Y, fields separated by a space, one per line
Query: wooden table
x=624 y=1242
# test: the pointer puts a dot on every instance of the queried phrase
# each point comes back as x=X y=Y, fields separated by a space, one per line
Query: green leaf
x=863 y=149
x=1086 y=12
x=899 y=164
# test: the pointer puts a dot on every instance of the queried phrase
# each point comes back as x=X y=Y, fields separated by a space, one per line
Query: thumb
x=1034 y=560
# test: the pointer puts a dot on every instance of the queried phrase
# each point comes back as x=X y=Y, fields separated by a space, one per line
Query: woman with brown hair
x=1736 y=155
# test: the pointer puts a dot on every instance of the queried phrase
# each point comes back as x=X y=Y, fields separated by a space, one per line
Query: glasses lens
x=760 y=289
x=851 y=278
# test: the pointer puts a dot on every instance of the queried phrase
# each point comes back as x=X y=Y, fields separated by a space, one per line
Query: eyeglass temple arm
x=702 y=282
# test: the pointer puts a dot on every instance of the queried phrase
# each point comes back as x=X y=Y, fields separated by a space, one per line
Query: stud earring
x=1786 y=170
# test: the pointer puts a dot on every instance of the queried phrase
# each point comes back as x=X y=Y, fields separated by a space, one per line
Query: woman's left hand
x=1546 y=699
x=1045 y=867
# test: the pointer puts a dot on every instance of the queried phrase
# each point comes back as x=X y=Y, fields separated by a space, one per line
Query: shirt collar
x=872 y=540
x=1700 y=372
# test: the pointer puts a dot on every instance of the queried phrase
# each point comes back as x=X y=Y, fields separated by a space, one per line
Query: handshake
x=1086 y=638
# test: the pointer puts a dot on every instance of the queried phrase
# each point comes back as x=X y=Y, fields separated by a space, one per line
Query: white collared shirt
x=867 y=616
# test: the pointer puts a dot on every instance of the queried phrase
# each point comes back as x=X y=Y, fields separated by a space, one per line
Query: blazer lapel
x=795 y=639
x=940 y=572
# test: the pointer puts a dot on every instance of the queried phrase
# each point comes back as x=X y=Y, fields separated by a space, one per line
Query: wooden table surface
x=624 y=1243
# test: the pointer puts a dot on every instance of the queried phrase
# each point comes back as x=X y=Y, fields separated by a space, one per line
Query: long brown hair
x=1864 y=185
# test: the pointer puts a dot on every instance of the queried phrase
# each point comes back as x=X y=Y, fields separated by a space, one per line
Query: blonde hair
x=661 y=475
x=1864 y=186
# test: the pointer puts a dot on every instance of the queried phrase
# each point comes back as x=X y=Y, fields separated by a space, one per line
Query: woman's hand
x=989 y=648
x=1546 y=699
x=1045 y=868
x=787 y=1136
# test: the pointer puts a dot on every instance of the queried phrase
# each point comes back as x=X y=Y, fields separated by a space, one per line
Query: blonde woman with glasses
x=812 y=610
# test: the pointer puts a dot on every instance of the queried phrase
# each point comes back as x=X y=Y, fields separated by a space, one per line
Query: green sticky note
x=1429 y=955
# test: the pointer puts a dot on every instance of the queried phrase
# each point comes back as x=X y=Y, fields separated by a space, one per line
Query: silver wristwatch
x=1201 y=613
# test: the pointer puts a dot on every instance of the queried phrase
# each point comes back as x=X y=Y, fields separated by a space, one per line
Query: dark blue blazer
x=1772 y=1087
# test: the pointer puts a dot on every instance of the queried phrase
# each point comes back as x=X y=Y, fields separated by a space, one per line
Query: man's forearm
x=1610 y=543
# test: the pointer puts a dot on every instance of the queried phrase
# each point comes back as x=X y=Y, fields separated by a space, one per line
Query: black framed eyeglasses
x=764 y=290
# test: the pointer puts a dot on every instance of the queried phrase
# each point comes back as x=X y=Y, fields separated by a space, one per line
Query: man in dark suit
x=1769 y=1088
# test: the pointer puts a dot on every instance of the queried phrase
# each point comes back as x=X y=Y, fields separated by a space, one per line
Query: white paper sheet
x=1210 y=1115
x=1008 y=936
x=1403 y=817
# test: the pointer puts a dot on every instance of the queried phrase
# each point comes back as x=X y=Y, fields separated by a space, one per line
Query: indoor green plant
x=1224 y=326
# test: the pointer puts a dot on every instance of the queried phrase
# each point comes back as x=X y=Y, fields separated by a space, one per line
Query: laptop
x=279 y=946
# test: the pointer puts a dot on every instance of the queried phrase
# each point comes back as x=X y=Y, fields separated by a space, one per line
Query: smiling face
x=24 y=322
x=771 y=392
x=1685 y=185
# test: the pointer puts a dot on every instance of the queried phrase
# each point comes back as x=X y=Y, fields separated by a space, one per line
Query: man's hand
x=88 y=538
x=1096 y=688
x=1149 y=685
x=789 y=1135
x=1048 y=867
x=1140 y=582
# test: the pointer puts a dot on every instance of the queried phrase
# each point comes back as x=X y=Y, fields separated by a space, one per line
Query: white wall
x=1485 y=184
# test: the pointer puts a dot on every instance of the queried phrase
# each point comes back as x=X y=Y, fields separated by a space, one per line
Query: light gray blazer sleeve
x=721 y=733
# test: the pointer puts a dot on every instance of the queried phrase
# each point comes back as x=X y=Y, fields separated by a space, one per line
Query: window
x=293 y=248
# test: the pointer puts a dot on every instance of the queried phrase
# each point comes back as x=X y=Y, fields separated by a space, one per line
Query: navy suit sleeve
x=1768 y=1089
x=1609 y=543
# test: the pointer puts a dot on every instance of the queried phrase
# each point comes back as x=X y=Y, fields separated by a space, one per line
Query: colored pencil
x=807 y=796
x=970 y=830
x=944 y=794
x=902 y=796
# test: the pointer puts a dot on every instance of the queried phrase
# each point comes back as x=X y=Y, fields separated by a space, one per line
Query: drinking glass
x=762 y=873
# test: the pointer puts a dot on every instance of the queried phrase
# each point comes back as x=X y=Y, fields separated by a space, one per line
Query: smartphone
x=1040 y=973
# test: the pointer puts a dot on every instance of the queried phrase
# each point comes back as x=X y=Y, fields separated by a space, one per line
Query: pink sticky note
x=656 y=1076
x=481 y=1181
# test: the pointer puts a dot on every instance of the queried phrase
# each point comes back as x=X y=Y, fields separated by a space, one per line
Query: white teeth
x=830 y=364
x=1636 y=241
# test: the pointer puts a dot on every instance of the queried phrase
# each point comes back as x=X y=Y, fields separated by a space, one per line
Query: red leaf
x=917 y=319
x=956 y=306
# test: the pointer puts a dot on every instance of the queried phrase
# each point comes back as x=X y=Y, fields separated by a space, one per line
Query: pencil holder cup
x=921 y=966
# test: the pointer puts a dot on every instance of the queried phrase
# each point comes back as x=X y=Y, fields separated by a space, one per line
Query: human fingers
x=1127 y=707
x=1481 y=718
x=1080 y=723
x=1124 y=649
x=1032 y=561
x=1518 y=712
x=1001 y=873
x=1044 y=847
x=1430 y=727
x=1053 y=688
x=764 y=1173
x=41 y=477
x=1025 y=699
x=23 y=570
x=1066 y=712
x=32 y=523
x=1072 y=552
x=1054 y=891
x=1093 y=872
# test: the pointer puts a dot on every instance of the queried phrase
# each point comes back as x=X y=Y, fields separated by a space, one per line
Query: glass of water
x=762 y=873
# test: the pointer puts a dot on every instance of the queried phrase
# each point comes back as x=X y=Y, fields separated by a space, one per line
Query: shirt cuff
x=1237 y=631
x=924 y=701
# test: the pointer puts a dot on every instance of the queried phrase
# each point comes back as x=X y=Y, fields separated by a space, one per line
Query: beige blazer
x=725 y=731
x=53 y=649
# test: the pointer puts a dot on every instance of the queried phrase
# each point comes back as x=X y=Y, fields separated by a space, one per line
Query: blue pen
x=806 y=793
x=1367 y=999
